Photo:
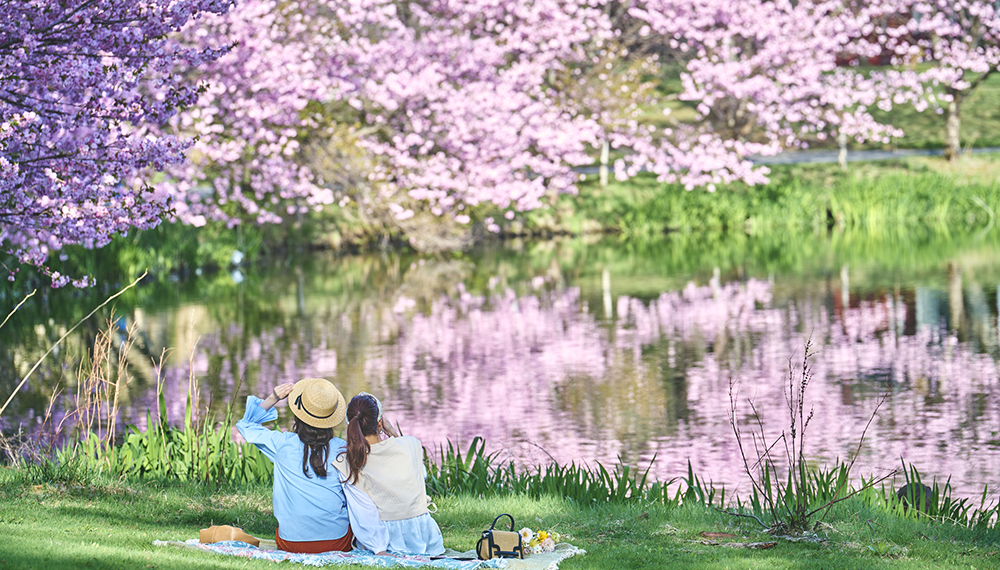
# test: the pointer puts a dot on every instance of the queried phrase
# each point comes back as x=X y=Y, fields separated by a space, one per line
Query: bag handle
x=492 y=526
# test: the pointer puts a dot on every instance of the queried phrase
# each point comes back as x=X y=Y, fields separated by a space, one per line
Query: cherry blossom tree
x=447 y=100
x=959 y=38
x=765 y=74
x=78 y=79
x=441 y=107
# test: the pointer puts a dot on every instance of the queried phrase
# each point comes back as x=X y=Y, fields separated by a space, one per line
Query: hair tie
x=378 y=404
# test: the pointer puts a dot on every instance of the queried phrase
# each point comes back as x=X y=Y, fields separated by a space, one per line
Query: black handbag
x=500 y=543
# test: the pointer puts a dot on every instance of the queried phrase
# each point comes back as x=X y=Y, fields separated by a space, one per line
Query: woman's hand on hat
x=281 y=391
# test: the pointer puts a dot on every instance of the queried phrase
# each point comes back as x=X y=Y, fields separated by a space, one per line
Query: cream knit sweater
x=393 y=477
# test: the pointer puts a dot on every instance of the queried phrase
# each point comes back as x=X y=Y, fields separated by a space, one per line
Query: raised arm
x=257 y=413
x=280 y=392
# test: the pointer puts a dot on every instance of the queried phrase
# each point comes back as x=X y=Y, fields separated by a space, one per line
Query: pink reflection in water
x=539 y=372
x=540 y=376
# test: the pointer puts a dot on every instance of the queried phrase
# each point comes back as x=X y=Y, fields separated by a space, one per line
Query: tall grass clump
x=87 y=440
x=918 y=500
x=478 y=473
x=196 y=451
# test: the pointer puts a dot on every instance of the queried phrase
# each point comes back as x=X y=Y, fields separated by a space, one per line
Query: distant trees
x=958 y=39
x=414 y=113
x=459 y=104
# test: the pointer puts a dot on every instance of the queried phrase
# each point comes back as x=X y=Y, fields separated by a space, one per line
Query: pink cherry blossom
x=77 y=78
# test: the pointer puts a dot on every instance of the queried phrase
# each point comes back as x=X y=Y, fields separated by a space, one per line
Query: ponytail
x=362 y=414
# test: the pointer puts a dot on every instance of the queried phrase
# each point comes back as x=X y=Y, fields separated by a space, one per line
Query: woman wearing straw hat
x=307 y=495
x=384 y=484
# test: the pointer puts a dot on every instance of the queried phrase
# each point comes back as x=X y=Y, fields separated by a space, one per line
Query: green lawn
x=102 y=524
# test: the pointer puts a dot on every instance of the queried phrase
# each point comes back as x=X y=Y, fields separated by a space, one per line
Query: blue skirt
x=417 y=535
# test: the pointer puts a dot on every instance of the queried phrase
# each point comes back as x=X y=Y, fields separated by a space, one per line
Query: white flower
x=526 y=535
x=537 y=549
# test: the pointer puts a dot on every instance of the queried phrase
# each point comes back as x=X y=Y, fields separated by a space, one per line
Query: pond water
x=585 y=351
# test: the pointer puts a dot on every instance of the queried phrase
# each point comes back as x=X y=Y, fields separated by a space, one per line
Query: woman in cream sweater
x=384 y=485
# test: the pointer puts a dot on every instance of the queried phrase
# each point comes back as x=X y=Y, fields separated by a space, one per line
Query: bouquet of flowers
x=539 y=542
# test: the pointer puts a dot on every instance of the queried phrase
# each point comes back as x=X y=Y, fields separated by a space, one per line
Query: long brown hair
x=362 y=420
x=315 y=447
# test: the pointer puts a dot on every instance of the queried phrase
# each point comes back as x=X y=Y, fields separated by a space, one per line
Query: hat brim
x=339 y=409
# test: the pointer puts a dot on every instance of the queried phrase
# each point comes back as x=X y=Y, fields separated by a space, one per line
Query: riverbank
x=99 y=523
x=878 y=197
x=923 y=196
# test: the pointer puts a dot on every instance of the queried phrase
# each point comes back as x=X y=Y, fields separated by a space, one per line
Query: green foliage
x=208 y=455
x=477 y=473
x=205 y=452
x=791 y=502
x=938 y=504
x=883 y=549
x=807 y=199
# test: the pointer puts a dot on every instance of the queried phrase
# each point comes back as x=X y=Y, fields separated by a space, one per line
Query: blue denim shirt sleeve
x=250 y=428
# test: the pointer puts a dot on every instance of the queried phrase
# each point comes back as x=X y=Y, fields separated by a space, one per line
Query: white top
x=395 y=473
x=393 y=477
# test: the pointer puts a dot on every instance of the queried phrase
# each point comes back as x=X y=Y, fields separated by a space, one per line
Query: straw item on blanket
x=220 y=533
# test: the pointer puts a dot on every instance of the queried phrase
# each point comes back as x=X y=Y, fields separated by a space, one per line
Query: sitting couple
x=327 y=492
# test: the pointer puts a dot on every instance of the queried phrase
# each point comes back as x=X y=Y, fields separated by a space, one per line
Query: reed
x=787 y=493
x=196 y=451
x=90 y=443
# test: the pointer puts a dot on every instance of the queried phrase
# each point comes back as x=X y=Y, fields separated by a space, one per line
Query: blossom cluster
x=458 y=104
x=77 y=78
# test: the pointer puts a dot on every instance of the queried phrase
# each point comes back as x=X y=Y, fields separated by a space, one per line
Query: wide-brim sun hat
x=317 y=402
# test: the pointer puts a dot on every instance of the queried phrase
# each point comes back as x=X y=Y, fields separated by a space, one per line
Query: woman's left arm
x=366 y=523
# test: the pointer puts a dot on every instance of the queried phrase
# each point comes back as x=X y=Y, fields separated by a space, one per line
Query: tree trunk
x=842 y=155
x=603 y=170
x=952 y=142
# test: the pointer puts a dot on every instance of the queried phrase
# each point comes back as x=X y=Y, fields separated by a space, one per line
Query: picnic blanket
x=452 y=559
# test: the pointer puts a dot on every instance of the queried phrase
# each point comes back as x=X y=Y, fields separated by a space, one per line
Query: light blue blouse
x=307 y=508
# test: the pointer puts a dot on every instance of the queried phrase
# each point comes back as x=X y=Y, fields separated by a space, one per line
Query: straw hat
x=317 y=402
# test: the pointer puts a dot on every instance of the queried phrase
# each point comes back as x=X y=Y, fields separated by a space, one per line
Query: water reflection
x=568 y=356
